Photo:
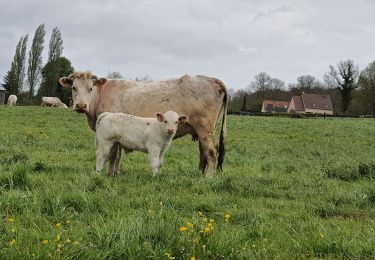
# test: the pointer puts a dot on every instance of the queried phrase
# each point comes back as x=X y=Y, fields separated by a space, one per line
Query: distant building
x=270 y=106
x=311 y=103
x=2 y=95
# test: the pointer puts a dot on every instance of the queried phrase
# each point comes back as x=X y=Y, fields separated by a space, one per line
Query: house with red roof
x=271 y=106
x=311 y=103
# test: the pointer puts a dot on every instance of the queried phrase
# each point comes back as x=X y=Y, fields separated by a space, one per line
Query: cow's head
x=84 y=86
x=170 y=121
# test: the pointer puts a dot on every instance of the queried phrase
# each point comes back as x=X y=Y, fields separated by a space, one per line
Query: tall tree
x=55 y=45
x=35 y=59
x=244 y=107
x=14 y=78
x=367 y=87
x=345 y=79
x=51 y=74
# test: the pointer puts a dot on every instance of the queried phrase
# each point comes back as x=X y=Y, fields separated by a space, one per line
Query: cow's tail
x=223 y=131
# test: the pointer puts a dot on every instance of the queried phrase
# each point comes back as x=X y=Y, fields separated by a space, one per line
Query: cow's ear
x=159 y=117
x=66 y=82
x=183 y=119
x=100 y=82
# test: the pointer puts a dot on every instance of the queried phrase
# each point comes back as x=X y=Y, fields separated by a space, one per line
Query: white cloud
x=231 y=40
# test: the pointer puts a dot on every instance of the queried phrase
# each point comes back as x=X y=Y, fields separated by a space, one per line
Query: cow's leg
x=202 y=158
x=102 y=152
x=208 y=150
x=154 y=155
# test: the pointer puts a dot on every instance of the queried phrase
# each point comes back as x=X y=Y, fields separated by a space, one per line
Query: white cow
x=52 y=102
x=12 y=100
x=151 y=135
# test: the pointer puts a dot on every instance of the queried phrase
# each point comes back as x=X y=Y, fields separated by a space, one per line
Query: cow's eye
x=165 y=121
x=74 y=88
x=176 y=122
x=90 y=89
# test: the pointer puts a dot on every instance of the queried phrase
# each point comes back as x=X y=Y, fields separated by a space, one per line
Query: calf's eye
x=176 y=122
x=90 y=89
x=165 y=121
x=74 y=88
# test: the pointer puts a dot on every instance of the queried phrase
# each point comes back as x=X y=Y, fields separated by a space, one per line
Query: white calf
x=151 y=135
x=12 y=100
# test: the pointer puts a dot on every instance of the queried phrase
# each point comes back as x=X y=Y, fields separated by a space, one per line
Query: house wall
x=318 y=111
x=263 y=108
x=291 y=107
x=2 y=97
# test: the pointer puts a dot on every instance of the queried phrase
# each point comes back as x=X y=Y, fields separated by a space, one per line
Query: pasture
x=291 y=188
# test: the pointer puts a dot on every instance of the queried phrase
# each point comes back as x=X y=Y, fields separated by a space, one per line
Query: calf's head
x=84 y=86
x=170 y=121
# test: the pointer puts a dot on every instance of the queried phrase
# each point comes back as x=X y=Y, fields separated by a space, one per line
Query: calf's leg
x=153 y=155
x=114 y=159
x=102 y=152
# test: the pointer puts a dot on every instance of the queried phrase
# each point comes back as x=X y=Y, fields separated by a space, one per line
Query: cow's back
x=189 y=95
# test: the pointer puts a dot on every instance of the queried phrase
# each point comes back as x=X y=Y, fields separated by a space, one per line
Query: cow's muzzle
x=80 y=108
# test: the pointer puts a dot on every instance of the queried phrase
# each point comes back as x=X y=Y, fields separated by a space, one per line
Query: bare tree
x=261 y=83
x=143 y=78
x=345 y=79
x=114 y=75
x=35 y=59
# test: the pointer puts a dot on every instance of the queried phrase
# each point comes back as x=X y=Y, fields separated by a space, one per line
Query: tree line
x=352 y=90
x=41 y=80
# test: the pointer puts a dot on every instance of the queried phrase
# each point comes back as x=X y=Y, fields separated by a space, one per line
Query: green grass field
x=291 y=188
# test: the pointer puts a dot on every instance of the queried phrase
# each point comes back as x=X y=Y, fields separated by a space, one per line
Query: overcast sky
x=229 y=39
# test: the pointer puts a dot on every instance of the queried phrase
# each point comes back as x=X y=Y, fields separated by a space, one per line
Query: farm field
x=291 y=188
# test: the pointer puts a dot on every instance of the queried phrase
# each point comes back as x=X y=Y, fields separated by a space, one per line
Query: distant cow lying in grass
x=52 y=102
x=151 y=135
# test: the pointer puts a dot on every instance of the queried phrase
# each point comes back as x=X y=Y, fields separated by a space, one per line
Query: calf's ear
x=159 y=117
x=66 y=82
x=183 y=119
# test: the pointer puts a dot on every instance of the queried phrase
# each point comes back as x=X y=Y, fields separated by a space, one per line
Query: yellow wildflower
x=183 y=229
x=10 y=220
x=189 y=225
x=13 y=230
x=205 y=219
x=226 y=216
x=59 y=245
x=33 y=254
x=58 y=225
x=206 y=230
x=210 y=225
x=204 y=247
x=12 y=242
x=58 y=238
x=76 y=243
x=45 y=242
x=169 y=256
x=68 y=241
x=321 y=235
x=212 y=220
x=192 y=258
x=200 y=213
x=68 y=222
